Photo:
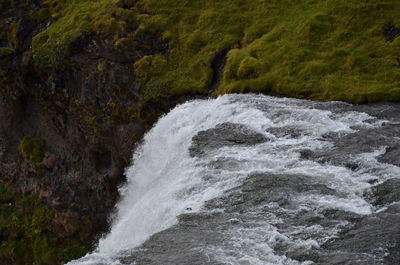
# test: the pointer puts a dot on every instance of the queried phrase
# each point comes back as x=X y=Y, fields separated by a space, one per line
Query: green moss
x=27 y=230
x=306 y=49
x=32 y=150
x=72 y=19
x=41 y=15
x=330 y=49
x=149 y=67
x=5 y=52
x=248 y=68
x=324 y=52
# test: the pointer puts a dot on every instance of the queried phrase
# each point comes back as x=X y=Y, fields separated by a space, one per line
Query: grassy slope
x=72 y=19
x=328 y=50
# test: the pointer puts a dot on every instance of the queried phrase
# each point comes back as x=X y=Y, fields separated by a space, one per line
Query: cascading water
x=251 y=179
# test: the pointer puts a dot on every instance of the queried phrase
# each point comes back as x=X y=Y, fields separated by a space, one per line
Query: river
x=252 y=179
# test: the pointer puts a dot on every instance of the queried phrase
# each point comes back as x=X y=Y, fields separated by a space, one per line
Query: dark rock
x=185 y=242
x=387 y=192
x=68 y=222
x=224 y=134
x=25 y=33
x=218 y=66
x=285 y=132
x=390 y=31
x=392 y=155
x=49 y=160
x=352 y=166
x=365 y=140
x=87 y=112
x=267 y=188
x=368 y=242
x=306 y=154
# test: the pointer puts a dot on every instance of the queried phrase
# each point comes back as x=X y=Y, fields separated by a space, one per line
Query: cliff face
x=81 y=81
x=66 y=134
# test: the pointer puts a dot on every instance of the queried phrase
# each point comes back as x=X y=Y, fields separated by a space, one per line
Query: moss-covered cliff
x=82 y=80
x=329 y=50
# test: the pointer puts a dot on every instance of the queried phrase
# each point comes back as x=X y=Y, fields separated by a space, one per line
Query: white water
x=164 y=180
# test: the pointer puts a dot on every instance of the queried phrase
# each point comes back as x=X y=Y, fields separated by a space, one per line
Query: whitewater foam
x=164 y=180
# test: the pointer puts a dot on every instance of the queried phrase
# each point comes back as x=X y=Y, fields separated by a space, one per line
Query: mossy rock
x=248 y=68
x=72 y=19
x=149 y=67
x=32 y=150
x=329 y=50
x=28 y=231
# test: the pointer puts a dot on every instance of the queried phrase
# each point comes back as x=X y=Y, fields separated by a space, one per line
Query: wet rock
x=392 y=155
x=352 y=166
x=187 y=241
x=184 y=243
x=306 y=154
x=387 y=192
x=227 y=163
x=286 y=131
x=364 y=140
x=269 y=188
x=368 y=242
x=335 y=214
x=224 y=134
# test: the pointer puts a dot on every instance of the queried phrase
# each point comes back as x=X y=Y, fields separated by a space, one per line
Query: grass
x=326 y=50
x=73 y=18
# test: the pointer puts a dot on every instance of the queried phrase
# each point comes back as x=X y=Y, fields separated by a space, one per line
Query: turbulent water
x=251 y=179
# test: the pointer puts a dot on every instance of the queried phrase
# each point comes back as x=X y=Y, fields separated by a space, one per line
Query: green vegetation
x=5 y=51
x=329 y=50
x=73 y=19
x=314 y=49
x=27 y=231
x=32 y=150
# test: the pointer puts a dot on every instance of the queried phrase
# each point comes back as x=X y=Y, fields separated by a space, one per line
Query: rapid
x=253 y=179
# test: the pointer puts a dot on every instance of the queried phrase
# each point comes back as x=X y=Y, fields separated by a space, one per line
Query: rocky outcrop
x=224 y=134
x=80 y=122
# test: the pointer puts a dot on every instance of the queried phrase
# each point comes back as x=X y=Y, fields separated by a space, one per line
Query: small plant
x=5 y=51
x=32 y=150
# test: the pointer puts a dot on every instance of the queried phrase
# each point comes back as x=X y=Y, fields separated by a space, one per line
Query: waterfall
x=195 y=159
